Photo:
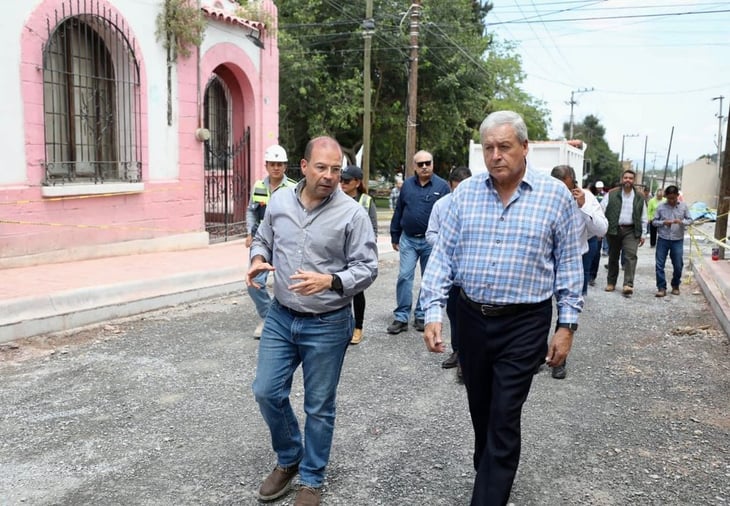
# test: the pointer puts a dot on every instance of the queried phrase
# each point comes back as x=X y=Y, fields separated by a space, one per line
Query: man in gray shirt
x=320 y=245
x=670 y=219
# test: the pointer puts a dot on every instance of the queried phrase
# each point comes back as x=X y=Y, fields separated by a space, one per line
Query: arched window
x=217 y=119
x=91 y=102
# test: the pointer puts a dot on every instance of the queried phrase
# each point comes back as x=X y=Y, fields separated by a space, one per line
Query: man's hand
x=432 y=337
x=395 y=246
x=579 y=196
x=559 y=347
x=249 y=240
x=310 y=282
x=641 y=241
x=257 y=267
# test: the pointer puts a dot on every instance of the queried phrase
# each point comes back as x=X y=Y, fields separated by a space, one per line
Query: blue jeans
x=412 y=249
x=318 y=343
x=675 y=251
x=260 y=296
x=594 y=251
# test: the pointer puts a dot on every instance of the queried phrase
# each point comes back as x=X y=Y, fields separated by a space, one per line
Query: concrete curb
x=61 y=311
x=715 y=287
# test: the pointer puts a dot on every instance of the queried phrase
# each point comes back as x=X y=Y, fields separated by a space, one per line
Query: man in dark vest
x=625 y=209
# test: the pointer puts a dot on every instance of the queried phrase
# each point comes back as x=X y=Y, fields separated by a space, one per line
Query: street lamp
x=623 y=138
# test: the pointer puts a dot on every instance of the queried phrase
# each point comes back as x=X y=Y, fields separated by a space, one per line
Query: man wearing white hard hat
x=275 y=159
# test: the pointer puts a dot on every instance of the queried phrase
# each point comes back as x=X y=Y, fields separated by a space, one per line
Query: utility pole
x=623 y=138
x=412 y=90
x=572 y=103
x=723 y=200
x=719 y=117
x=643 y=168
x=666 y=165
x=368 y=28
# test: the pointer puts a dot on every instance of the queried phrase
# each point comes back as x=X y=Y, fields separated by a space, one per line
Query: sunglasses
x=424 y=164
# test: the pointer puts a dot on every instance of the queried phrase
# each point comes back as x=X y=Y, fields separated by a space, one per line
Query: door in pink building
x=227 y=162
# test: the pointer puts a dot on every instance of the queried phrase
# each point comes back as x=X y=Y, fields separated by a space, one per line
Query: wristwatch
x=571 y=326
x=336 y=284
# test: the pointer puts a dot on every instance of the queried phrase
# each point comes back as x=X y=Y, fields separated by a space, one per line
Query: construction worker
x=276 y=160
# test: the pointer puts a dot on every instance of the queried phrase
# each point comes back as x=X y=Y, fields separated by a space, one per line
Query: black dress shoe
x=559 y=372
x=451 y=362
x=397 y=326
x=459 y=375
x=419 y=325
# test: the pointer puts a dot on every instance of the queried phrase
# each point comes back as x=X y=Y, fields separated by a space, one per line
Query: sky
x=651 y=65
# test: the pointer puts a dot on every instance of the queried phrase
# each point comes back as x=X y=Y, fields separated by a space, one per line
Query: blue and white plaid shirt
x=523 y=253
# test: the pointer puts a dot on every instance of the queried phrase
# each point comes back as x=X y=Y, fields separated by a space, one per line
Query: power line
x=607 y=18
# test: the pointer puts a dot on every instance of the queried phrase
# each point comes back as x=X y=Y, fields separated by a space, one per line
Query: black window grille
x=216 y=112
x=91 y=100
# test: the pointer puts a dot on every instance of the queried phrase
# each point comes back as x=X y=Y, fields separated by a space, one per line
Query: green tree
x=463 y=75
x=601 y=163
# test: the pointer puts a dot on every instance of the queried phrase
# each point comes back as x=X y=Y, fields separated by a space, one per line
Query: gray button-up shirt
x=664 y=212
x=336 y=237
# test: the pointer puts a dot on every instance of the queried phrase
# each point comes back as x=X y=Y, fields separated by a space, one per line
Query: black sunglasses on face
x=424 y=164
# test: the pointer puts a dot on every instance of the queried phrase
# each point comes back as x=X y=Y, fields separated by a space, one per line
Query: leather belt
x=626 y=226
x=417 y=236
x=300 y=314
x=492 y=310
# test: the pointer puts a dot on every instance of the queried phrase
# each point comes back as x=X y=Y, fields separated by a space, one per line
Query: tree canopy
x=463 y=75
x=601 y=163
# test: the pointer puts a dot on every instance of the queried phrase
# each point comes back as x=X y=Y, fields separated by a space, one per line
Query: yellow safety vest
x=365 y=200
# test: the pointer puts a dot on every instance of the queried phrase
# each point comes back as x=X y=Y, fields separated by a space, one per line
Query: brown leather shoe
x=675 y=291
x=307 y=496
x=628 y=290
x=610 y=288
x=277 y=483
x=660 y=293
x=356 y=336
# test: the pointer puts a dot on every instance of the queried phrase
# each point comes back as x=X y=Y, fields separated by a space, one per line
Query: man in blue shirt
x=671 y=218
x=510 y=241
x=408 y=235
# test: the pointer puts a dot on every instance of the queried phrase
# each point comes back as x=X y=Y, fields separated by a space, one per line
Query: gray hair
x=511 y=118
x=563 y=172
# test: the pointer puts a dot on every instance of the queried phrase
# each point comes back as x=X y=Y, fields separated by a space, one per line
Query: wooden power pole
x=723 y=200
x=368 y=27
x=411 y=122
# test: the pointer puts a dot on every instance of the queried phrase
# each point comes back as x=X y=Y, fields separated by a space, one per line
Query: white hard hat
x=275 y=153
x=599 y=184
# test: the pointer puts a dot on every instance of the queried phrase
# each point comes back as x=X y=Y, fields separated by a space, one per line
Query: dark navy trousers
x=499 y=356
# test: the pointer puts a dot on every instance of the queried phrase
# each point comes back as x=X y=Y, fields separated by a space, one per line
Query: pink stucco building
x=107 y=149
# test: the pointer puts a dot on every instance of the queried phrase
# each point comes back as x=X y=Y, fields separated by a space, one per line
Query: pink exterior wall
x=269 y=97
x=33 y=224
x=58 y=223
x=257 y=105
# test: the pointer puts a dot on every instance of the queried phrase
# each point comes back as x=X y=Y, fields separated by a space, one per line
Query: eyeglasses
x=424 y=164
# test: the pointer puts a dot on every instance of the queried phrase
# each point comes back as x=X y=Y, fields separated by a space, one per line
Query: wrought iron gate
x=227 y=188
x=227 y=166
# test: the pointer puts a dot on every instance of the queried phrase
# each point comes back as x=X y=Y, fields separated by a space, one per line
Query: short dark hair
x=671 y=190
x=458 y=174
x=629 y=171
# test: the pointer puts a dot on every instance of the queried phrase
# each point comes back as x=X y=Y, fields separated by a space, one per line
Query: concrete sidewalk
x=61 y=296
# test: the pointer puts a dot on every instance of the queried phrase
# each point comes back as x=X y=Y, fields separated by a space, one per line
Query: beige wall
x=701 y=182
